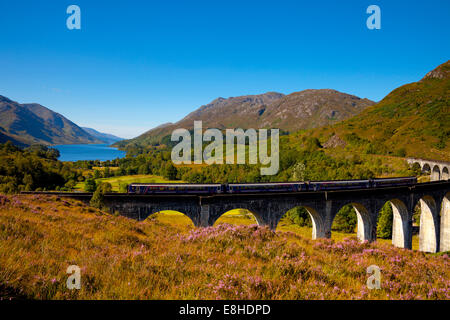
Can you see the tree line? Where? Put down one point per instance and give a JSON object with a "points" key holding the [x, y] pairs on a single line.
{"points": [[35, 168]]}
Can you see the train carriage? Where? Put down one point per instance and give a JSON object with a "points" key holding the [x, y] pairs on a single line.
{"points": [[266, 187], [401, 181], [270, 187], [174, 188], [338, 185]]}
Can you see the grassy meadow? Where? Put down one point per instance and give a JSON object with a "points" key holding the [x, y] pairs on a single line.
{"points": [[166, 257]]}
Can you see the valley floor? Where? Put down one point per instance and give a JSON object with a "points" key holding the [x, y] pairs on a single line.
{"points": [[166, 257]]}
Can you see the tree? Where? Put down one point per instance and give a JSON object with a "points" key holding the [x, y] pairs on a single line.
{"points": [[170, 171], [28, 181], [299, 216], [401, 152], [345, 220], [385, 219], [106, 172], [299, 172], [10, 147], [123, 187], [70, 184], [90, 185], [312, 144], [98, 199], [52, 154], [416, 169], [97, 174], [143, 169]]}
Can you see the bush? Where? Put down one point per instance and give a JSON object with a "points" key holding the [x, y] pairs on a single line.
{"points": [[90, 185], [385, 220], [98, 199], [345, 220], [415, 169], [299, 216], [70, 184], [123, 187], [401, 152], [170, 172]]}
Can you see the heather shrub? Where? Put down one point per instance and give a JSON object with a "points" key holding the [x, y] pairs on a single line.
{"points": [[121, 258]]}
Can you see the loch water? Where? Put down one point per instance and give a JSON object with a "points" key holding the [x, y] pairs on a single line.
{"points": [[75, 152]]}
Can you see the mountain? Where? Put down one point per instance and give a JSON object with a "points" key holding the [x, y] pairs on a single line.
{"points": [[311, 109], [105, 137], [299, 110], [412, 120], [26, 124]]}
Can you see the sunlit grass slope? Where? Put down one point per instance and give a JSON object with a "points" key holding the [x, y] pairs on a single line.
{"points": [[166, 257]]}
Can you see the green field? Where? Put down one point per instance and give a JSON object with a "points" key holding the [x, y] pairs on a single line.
{"points": [[139, 178]]}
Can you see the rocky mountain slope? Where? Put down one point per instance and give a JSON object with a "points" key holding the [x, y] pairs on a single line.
{"points": [[299, 110]]}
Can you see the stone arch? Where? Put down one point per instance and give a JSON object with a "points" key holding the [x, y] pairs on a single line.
{"points": [[140, 207], [445, 224], [417, 164], [445, 174], [436, 173], [365, 227], [149, 214], [401, 225], [318, 230], [255, 216], [426, 168], [254, 213], [429, 225]]}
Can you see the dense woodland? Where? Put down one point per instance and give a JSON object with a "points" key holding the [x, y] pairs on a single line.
{"points": [[34, 168]]}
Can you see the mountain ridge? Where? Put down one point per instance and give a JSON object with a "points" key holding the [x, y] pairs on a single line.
{"points": [[267, 110], [31, 123], [105, 137]]}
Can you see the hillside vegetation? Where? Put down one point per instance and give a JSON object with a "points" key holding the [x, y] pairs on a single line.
{"points": [[412, 120], [34, 168], [156, 259]]}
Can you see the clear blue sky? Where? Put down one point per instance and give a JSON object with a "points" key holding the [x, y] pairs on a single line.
{"points": [[137, 64]]}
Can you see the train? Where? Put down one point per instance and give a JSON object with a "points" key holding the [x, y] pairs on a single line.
{"points": [[266, 187]]}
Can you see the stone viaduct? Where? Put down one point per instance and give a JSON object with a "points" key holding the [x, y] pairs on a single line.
{"points": [[269, 208], [438, 170]]}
